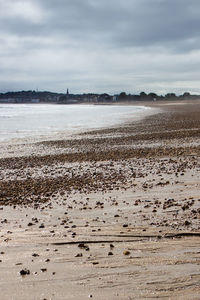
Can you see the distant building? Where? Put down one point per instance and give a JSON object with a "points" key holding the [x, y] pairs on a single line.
{"points": [[7, 100], [35, 101], [68, 96]]}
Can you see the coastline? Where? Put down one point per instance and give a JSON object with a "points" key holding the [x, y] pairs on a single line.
{"points": [[111, 214], [18, 146], [61, 123]]}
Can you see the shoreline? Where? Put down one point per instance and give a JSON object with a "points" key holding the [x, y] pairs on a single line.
{"points": [[72, 128], [113, 214], [156, 108], [19, 145]]}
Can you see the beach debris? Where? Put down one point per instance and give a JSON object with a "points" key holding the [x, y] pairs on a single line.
{"points": [[187, 223], [126, 252], [111, 246], [24, 272], [41, 226], [125, 225], [83, 246], [43, 269], [79, 255], [30, 224], [35, 254]]}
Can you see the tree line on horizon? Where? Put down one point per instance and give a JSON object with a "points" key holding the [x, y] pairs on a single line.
{"points": [[46, 96]]}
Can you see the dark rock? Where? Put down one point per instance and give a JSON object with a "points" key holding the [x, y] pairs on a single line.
{"points": [[43, 269], [79, 255], [125, 225], [24, 272], [35, 254]]}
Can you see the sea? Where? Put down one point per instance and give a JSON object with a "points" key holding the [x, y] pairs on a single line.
{"points": [[22, 121]]}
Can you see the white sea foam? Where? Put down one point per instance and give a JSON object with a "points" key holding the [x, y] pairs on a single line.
{"points": [[40, 120]]}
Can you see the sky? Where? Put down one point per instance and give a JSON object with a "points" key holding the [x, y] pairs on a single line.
{"points": [[100, 46]]}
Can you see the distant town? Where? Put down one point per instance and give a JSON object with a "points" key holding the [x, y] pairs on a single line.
{"points": [[68, 98]]}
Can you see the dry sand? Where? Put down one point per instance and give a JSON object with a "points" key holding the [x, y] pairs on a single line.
{"points": [[111, 214]]}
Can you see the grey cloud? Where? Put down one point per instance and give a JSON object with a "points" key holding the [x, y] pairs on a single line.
{"points": [[135, 23], [95, 44]]}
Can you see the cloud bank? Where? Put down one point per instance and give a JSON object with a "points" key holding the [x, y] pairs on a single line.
{"points": [[100, 46]]}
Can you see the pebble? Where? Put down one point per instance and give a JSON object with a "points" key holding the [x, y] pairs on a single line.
{"points": [[24, 272]]}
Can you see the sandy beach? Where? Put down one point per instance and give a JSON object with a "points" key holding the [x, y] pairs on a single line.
{"points": [[107, 214]]}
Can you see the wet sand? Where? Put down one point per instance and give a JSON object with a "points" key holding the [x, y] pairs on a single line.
{"points": [[109, 214]]}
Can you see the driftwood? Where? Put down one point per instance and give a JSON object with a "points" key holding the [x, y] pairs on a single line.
{"points": [[167, 235]]}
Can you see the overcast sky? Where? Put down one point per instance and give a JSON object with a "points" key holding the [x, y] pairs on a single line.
{"points": [[100, 45]]}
